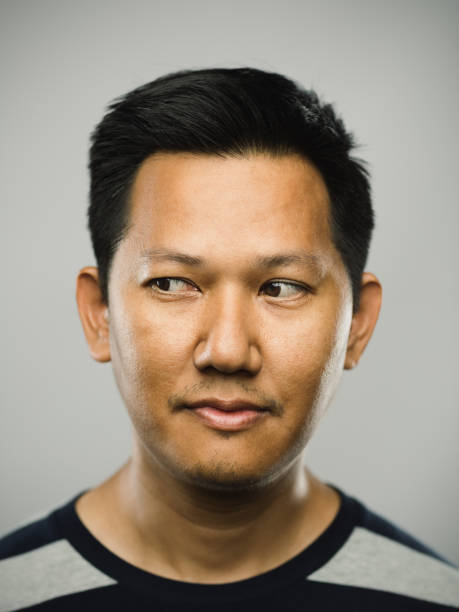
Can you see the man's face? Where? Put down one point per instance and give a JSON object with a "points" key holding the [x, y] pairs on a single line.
{"points": [[237, 324]]}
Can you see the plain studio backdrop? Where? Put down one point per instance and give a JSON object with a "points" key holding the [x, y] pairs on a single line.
{"points": [[390, 436]]}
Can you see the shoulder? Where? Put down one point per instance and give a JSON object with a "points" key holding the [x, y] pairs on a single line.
{"points": [[380, 555], [38, 563], [376, 530], [29, 537]]}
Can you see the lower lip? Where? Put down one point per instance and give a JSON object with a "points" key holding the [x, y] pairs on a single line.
{"points": [[236, 420]]}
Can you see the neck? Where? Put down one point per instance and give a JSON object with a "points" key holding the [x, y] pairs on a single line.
{"points": [[184, 532]]}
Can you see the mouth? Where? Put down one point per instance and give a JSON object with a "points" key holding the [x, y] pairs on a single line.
{"points": [[234, 415]]}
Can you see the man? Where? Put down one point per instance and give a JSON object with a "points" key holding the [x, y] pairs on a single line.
{"points": [[231, 228]]}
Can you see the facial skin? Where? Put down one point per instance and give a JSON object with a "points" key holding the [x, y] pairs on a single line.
{"points": [[227, 328]]}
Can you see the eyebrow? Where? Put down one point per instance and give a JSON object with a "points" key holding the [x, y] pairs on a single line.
{"points": [[276, 260]]}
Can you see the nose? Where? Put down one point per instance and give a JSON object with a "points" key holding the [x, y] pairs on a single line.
{"points": [[228, 339]]}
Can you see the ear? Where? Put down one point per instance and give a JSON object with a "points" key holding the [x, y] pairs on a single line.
{"points": [[364, 320], [93, 313]]}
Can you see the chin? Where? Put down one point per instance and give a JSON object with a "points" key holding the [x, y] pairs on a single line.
{"points": [[224, 476]]}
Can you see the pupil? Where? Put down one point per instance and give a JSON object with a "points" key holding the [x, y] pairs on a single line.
{"points": [[276, 290], [163, 281]]}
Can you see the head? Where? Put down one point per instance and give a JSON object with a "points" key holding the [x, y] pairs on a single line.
{"points": [[229, 112], [231, 228]]}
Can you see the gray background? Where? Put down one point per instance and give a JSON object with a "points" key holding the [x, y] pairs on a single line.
{"points": [[390, 437]]}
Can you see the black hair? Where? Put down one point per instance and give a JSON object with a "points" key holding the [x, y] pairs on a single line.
{"points": [[223, 111]]}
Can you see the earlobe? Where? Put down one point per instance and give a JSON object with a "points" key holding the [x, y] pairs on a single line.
{"points": [[364, 320], [93, 313]]}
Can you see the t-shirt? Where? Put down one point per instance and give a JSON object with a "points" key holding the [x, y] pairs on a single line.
{"points": [[360, 562]]}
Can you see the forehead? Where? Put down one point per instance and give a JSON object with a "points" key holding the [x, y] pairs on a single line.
{"points": [[174, 193], [229, 207]]}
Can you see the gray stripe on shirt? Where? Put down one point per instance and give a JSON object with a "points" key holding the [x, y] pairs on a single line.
{"points": [[373, 561], [45, 573]]}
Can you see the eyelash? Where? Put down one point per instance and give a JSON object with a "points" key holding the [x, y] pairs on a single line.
{"points": [[302, 288]]}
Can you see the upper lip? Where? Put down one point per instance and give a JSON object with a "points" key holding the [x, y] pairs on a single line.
{"points": [[226, 405]]}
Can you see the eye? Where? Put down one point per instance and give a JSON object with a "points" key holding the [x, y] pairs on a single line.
{"points": [[283, 289], [169, 284]]}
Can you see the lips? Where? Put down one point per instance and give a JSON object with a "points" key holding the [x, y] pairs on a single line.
{"points": [[233, 415]]}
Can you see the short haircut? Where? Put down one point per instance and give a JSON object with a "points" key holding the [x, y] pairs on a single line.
{"points": [[229, 112]]}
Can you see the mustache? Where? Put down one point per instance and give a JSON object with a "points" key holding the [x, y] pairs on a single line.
{"points": [[194, 392]]}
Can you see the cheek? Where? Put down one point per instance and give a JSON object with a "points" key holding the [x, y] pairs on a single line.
{"points": [[306, 360], [148, 352], [301, 347]]}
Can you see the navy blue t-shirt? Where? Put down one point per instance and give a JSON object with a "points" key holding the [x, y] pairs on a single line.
{"points": [[360, 562]]}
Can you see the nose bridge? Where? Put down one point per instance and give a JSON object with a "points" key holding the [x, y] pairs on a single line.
{"points": [[229, 313], [227, 342]]}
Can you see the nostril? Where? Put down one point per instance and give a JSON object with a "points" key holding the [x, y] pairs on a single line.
{"points": [[227, 357]]}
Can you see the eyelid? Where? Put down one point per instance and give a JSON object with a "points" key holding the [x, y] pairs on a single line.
{"points": [[288, 282], [302, 287], [306, 289], [150, 283]]}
